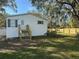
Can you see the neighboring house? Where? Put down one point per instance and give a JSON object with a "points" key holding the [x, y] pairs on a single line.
{"points": [[37, 23]]}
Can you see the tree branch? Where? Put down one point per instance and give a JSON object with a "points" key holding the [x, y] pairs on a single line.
{"points": [[72, 5]]}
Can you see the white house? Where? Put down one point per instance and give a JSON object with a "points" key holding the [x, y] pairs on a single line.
{"points": [[37, 23]]}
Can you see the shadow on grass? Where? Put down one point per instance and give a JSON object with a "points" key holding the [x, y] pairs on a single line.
{"points": [[30, 53], [45, 48], [62, 44]]}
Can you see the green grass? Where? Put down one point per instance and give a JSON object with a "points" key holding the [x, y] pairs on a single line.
{"points": [[46, 48]]}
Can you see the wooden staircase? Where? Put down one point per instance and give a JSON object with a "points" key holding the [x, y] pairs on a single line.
{"points": [[25, 34]]}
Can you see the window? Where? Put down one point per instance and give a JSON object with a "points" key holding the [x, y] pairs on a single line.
{"points": [[40, 22], [12, 23], [16, 23], [9, 22]]}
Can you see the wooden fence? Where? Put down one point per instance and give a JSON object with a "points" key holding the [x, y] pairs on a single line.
{"points": [[66, 31]]}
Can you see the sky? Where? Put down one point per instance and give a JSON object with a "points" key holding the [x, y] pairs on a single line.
{"points": [[23, 6]]}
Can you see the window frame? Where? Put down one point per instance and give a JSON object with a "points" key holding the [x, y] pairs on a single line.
{"points": [[16, 23], [40, 22], [9, 22]]}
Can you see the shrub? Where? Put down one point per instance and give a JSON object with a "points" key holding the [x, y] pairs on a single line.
{"points": [[51, 34], [77, 36]]}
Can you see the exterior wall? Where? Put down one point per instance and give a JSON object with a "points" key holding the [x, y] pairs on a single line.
{"points": [[32, 21], [2, 31], [11, 32]]}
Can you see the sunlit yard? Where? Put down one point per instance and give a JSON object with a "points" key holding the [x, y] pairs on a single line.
{"points": [[41, 48], [39, 29]]}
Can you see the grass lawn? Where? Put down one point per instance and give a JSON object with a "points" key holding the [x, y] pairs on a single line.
{"points": [[43, 48]]}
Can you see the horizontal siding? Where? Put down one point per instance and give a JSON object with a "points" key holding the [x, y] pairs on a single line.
{"points": [[11, 32], [2, 31]]}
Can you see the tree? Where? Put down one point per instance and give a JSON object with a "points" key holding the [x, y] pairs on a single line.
{"points": [[2, 20], [73, 23], [74, 4], [59, 10], [74, 9], [5, 3], [9, 3]]}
